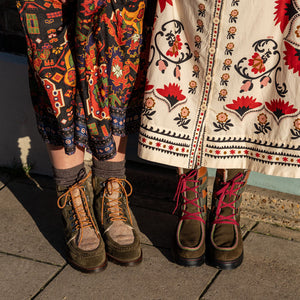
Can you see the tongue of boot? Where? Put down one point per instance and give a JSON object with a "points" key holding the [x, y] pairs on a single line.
{"points": [[87, 238], [120, 232]]}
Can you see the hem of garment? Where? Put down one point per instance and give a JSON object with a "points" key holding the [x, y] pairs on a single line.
{"points": [[165, 159]]}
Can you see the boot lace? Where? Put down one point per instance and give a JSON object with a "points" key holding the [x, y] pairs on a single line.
{"points": [[81, 211], [115, 211], [181, 189], [230, 188]]}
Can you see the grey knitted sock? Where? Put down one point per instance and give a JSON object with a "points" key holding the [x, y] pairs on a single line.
{"points": [[107, 169], [68, 177]]}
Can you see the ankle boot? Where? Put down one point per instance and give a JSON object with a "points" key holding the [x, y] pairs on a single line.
{"points": [[225, 243], [189, 248], [85, 247], [115, 221]]}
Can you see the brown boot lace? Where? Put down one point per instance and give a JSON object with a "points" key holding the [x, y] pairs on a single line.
{"points": [[82, 215], [115, 210]]}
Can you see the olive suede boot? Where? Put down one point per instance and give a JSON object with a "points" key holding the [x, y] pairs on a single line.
{"points": [[115, 222], [225, 242], [189, 248], [86, 249]]}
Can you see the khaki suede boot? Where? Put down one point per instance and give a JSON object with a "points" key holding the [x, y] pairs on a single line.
{"points": [[86, 249], [115, 222], [225, 242], [189, 248]]}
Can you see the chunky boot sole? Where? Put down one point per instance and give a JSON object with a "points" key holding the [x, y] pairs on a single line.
{"points": [[125, 263], [88, 270], [189, 262], [225, 265]]}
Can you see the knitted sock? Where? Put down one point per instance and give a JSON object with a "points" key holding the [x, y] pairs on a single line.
{"points": [[107, 169], [87, 238], [68, 177], [120, 232]]}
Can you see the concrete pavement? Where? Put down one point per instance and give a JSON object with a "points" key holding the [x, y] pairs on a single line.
{"points": [[33, 262]]}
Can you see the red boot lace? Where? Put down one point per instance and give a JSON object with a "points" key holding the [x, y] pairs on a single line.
{"points": [[181, 188], [229, 188]]}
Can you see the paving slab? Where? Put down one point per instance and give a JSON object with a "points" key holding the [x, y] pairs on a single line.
{"points": [[277, 231], [246, 225], [23, 278], [270, 271], [30, 224], [4, 179], [156, 228], [155, 278]]}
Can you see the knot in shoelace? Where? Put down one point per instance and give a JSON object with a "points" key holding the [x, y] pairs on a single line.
{"points": [[181, 189], [82, 215], [114, 208], [230, 188]]}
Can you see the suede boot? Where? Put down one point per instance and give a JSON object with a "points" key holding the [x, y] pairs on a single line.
{"points": [[86, 249], [114, 219], [225, 243], [189, 248]]}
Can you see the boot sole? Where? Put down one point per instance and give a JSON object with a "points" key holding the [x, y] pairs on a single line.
{"points": [[225, 265], [190, 262], [88, 270], [125, 263]]}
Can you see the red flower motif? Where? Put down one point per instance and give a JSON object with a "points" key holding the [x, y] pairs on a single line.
{"points": [[270, 157], [218, 152], [298, 160], [279, 108], [148, 86], [292, 58], [171, 147], [285, 159], [158, 144], [232, 151], [143, 140], [257, 155], [172, 94], [243, 104], [282, 15], [257, 64], [162, 4], [246, 152], [175, 47]]}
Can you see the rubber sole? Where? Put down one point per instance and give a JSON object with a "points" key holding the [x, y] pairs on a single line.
{"points": [[225, 265], [88, 270], [190, 262], [125, 263]]}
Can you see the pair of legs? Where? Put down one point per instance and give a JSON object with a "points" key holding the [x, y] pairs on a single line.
{"points": [[97, 223], [211, 235]]}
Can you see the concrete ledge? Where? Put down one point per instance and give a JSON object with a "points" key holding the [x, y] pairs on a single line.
{"points": [[272, 207]]}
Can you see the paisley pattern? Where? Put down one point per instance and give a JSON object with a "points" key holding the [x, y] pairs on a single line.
{"points": [[84, 58]]}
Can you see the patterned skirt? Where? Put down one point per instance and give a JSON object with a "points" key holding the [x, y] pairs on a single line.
{"points": [[223, 86], [84, 60]]}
